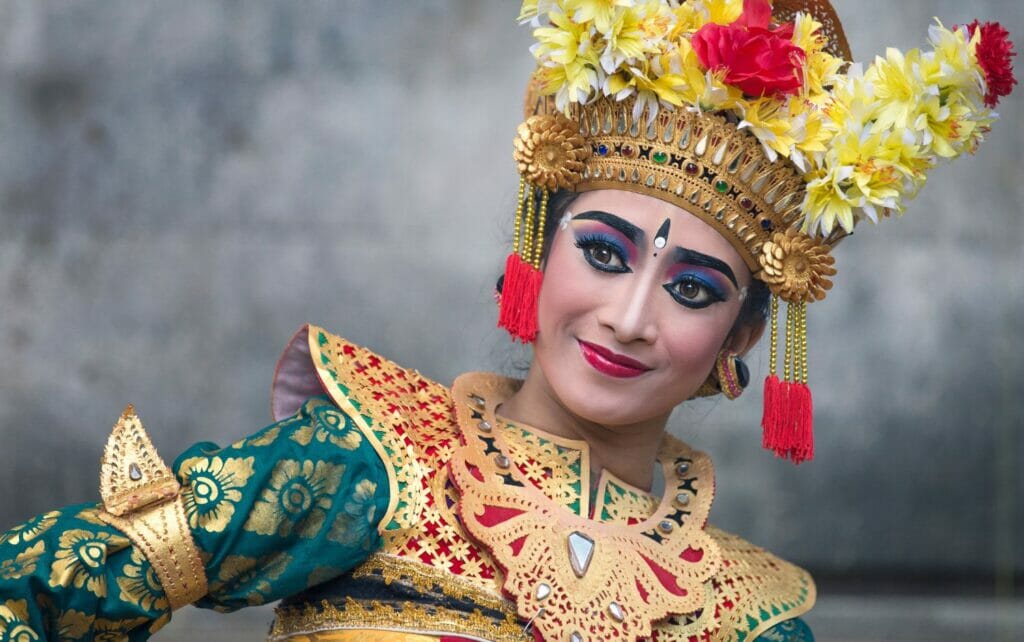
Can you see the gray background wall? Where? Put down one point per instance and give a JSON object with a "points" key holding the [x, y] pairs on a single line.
{"points": [[183, 184]]}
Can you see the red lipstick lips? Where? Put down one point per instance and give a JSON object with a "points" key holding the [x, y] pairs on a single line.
{"points": [[610, 363]]}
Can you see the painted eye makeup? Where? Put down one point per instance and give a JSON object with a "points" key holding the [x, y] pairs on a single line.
{"points": [[696, 288], [603, 251]]}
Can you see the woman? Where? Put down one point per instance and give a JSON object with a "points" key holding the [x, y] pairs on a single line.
{"points": [[556, 508]]}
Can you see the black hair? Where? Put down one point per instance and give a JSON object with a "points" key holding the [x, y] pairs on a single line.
{"points": [[755, 306]]}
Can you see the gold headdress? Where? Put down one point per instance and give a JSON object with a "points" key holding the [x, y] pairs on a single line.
{"points": [[758, 124]]}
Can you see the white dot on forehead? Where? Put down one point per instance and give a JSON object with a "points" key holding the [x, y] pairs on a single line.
{"points": [[660, 242], [661, 237]]}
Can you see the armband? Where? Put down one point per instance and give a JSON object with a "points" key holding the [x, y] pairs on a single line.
{"points": [[141, 497]]}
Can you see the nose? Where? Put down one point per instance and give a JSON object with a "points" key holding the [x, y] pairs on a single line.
{"points": [[629, 313]]}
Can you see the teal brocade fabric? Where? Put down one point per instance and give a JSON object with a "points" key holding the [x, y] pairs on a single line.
{"points": [[292, 506]]}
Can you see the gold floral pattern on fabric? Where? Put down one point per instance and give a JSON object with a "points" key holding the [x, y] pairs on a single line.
{"points": [[116, 630], [212, 487], [80, 561], [65, 626], [295, 624], [356, 522], [24, 563], [260, 439], [250, 577], [296, 499], [13, 622], [91, 514], [30, 530], [331, 425], [139, 584]]}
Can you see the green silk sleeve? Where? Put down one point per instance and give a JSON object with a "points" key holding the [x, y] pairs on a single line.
{"points": [[294, 505], [794, 630]]}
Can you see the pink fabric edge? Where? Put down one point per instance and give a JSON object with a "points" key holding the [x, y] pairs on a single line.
{"points": [[295, 377]]}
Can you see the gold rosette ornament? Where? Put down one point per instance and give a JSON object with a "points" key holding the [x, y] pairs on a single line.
{"points": [[549, 151], [549, 154], [796, 267]]}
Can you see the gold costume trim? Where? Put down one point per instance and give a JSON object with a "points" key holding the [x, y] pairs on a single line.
{"points": [[350, 375], [304, 624], [427, 579], [141, 498]]}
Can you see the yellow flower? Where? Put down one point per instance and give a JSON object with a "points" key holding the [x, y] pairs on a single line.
{"points": [[31, 529], [628, 39], [766, 118], [722, 12], [331, 425], [826, 202], [601, 12], [533, 9], [80, 561], [139, 584], [704, 90], [898, 87], [212, 487], [952, 66], [14, 622], [688, 19], [297, 499], [24, 563], [357, 520]]}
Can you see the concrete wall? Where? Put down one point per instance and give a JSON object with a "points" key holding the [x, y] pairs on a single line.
{"points": [[183, 184]]}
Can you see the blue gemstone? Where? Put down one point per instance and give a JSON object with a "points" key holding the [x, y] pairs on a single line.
{"points": [[602, 150], [767, 225]]}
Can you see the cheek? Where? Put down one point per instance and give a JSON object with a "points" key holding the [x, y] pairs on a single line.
{"points": [[565, 292]]}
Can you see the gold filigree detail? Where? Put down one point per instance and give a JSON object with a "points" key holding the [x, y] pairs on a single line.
{"points": [[140, 498], [668, 554], [295, 624], [549, 152], [796, 267]]}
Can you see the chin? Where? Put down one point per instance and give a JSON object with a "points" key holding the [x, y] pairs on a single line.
{"points": [[611, 402]]}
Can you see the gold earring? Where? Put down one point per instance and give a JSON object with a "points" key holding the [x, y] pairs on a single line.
{"points": [[732, 374]]}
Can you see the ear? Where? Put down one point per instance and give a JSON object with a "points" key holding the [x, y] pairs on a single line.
{"points": [[745, 337]]}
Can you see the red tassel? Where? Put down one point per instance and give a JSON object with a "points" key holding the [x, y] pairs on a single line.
{"points": [[803, 424], [771, 419], [519, 292]]}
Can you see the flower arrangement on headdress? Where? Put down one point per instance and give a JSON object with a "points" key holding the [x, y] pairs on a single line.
{"points": [[863, 137]]}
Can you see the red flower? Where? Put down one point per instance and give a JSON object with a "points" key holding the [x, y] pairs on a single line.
{"points": [[994, 52], [759, 60]]}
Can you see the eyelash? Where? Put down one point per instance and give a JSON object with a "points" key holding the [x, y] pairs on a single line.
{"points": [[710, 293], [588, 242]]}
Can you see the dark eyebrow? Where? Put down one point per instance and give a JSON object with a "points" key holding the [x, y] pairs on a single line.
{"points": [[693, 257], [630, 231]]}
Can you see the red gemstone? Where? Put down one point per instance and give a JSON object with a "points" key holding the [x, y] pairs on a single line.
{"points": [[746, 203], [628, 151], [692, 169]]}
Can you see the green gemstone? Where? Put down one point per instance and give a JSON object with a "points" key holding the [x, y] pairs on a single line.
{"points": [[660, 157], [722, 187]]}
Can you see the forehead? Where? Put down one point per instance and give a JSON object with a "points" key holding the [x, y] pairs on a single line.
{"points": [[648, 213]]}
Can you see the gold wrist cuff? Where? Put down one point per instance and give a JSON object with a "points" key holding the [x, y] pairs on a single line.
{"points": [[141, 498]]}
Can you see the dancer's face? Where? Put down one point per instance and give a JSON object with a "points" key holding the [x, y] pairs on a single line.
{"points": [[638, 298]]}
